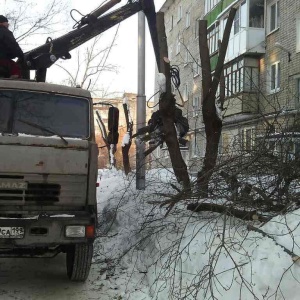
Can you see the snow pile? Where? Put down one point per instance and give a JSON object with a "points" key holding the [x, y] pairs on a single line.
{"points": [[143, 255]]}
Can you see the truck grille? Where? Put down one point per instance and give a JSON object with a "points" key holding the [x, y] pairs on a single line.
{"points": [[43, 189], [45, 192], [42, 192]]}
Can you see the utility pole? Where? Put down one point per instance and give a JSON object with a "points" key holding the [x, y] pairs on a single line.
{"points": [[141, 104]]}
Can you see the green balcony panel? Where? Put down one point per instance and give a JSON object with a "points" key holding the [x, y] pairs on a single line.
{"points": [[211, 17], [213, 61]]}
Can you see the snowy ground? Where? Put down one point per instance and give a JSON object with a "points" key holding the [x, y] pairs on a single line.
{"points": [[140, 254], [185, 255]]}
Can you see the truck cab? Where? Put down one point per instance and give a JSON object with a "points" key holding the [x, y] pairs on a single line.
{"points": [[48, 173]]}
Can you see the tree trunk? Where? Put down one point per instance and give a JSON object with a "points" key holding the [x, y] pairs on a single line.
{"points": [[126, 148], [211, 119], [167, 109]]}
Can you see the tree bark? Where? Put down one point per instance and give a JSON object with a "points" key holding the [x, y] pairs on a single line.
{"points": [[211, 119], [167, 109], [126, 148]]}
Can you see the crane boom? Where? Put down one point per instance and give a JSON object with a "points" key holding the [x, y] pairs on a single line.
{"points": [[43, 57]]}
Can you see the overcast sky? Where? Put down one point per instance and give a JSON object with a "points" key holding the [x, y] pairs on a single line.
{"points": [[124, 54]]}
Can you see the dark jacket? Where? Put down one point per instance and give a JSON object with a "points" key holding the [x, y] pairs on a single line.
{"points": [[9, 48]]}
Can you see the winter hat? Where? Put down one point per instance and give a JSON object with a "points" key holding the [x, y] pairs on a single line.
{"points": [[3, 19]]}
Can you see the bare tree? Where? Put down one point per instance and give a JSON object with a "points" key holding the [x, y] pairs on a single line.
{"points": [[44, 21], [91, 64], [212, 121], [167, 110]]}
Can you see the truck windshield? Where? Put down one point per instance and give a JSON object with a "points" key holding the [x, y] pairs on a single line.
{"points": [[51, 113]]}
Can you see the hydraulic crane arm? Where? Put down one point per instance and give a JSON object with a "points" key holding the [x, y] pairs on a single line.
{"points": [[90, 26]]}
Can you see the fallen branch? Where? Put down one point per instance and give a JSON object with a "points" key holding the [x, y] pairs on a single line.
{"points": [[294, 256], [230, 211]]}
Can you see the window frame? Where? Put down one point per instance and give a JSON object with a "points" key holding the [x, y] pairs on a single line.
{"points": [[178, 45], [213, 36], [186, 93], [187, 56], [172, 23], [196, 29], [195, 105], [277, 77], [196, 67], [237, 21], [187, 18], [210, 5], [234, 78], [248, 144], [298, 33], [179, 13], [195, 147], [297, 92], [276, 16]]}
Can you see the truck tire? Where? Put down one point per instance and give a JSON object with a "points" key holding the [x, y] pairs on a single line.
{"points": [[79, 259]]}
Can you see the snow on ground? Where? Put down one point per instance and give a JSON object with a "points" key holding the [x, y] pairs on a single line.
{"points": [[140, 254]]}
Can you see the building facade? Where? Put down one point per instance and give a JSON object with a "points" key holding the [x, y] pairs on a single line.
{"points": [[261, 70]]}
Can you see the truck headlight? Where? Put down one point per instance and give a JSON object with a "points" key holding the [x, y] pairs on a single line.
{"points": [[75, 231]]}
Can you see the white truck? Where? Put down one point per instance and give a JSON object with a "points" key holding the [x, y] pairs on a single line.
{"points": [[48, 153], [48, 173]]}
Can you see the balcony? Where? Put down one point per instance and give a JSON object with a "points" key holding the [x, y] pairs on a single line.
{"points": [[248, 40]]}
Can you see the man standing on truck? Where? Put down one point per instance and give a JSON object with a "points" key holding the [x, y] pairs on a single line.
{"points": [[9, 49]]}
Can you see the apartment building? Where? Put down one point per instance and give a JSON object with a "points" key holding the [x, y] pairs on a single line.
{"points": [[280, 70], [262, 67], [181, 23]]}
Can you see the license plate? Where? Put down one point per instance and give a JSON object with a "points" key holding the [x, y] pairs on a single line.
{"points": [[11, 232]]}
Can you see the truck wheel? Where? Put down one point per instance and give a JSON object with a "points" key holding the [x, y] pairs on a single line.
{"points": [[79, 259]]}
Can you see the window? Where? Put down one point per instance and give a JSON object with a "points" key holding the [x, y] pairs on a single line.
{"points": [[195, 147], [236, 22], [297, 102], [256, 13], [196, 29], [213, 38], [195, 106], [186, 93], [248, 139], [171, 22], [273, 16], [275, 77], [196, 67], [187, 56], [240, 18], [177, 45], [179, 13], [251, 79], [187, 19], [210, 4], [234, 78], [298, 33], [43, 114], [241, 76], [224, 146]]}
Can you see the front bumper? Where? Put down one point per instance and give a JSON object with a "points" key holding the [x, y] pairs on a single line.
{"points": [[45, 231]]}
